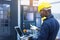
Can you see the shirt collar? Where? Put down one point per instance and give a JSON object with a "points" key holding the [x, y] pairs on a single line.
{"points": [[50, 16]]}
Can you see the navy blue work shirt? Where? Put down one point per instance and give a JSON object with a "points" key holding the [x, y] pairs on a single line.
{"points": [[49, 29]]}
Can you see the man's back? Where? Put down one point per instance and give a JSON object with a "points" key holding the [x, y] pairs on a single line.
{"points": [[49, 29]]}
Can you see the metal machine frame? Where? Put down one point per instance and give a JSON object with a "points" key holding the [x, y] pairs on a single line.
{"points": [[13, 17]]}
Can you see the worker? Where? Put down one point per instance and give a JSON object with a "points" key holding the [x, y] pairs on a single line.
{"points": [[50, 25]]}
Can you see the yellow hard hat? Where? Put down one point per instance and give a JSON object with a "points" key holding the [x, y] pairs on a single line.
{"points": [[44, 5]]}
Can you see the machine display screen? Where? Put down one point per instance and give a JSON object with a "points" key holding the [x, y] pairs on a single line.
{"points": [[29, 17]]}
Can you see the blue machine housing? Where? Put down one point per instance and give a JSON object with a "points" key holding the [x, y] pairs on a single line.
{"points": [[29, 17]]}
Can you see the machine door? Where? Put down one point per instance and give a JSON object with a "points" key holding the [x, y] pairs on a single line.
{"points": [[7, 17], [4, 21]]}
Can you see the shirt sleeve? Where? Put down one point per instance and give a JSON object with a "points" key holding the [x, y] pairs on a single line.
{"points": [[44, 32]]}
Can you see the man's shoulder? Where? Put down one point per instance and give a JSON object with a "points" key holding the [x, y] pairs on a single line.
{"points": [[51, 21], [48, 21]]}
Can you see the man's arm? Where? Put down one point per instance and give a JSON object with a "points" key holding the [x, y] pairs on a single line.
{"points": [[44, 32]]}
